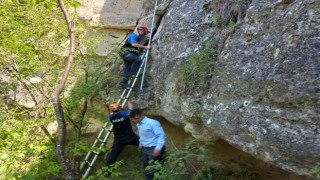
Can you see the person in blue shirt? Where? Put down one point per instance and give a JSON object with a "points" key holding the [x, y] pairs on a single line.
{"points": [[152, 139], [122, 130], [130, 54]]}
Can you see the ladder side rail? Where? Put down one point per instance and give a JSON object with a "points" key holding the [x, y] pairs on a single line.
{"points": [[149, 43], [135, 80], [94, 145], [152, 24], [100, 134], [90, 166], [144, 70]]}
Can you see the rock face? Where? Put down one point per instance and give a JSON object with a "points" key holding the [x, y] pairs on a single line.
{"points": [[263, 94], [121, 14], [115, 19]]}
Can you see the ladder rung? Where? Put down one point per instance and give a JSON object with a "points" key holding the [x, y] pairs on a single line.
{"points": [[104, 128], [87, 162], [89, 165], [100, 140], [107, 129]]}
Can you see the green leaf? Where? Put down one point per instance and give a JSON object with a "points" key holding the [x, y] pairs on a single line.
{"points": [[77, 4], [29, 177]]}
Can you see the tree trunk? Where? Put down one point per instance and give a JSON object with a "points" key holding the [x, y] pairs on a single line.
{"points": [[60, 151]]}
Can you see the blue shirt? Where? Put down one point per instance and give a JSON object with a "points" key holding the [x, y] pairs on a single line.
{"points": [[133, 39], [151, 133]]}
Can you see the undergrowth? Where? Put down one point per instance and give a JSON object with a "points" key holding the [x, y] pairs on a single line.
{"points": [[190, 162], [316, 172]]}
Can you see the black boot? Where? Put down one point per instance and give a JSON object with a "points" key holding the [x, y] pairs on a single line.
{"points": [[124, 83]]}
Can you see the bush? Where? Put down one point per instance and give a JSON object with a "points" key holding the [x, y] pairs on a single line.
{"points": [[316, 172], [191, 161], [107, 171], [217, 21]]}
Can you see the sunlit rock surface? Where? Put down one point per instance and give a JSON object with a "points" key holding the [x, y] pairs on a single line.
{"points": [[263, 96]]}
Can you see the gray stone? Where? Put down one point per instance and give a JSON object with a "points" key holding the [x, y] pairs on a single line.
{"points": [[263, 96]]}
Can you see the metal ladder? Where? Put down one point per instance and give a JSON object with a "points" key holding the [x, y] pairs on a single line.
{"points": [[103, 136]]}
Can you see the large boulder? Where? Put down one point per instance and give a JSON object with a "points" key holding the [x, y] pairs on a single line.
{"points": [[263, 94]]}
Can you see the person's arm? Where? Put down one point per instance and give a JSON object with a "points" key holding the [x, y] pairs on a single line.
{"points": [[140, 46], [130, 105], [134, 41], [161, 138]]}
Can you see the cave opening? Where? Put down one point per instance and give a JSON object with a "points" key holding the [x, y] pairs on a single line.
{"points": [[232, 160]]}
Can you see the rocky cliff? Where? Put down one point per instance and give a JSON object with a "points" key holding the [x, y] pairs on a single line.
{"points": [[261, 92]]}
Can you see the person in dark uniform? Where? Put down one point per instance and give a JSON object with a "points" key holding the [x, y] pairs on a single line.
{"points": [[130, 54], [122, 130]]}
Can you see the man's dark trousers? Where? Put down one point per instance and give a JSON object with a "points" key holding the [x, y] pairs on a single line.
{"points": [[147, 156], [118, 146], [132, 63]]}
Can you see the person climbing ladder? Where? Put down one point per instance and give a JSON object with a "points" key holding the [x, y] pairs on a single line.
{"points": [[122, 130], [130, 54]]}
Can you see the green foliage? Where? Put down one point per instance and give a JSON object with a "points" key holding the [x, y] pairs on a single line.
{"points": [[25, 151], [316, 172], [217, 21], [31, 41], [93, 78], [233, 26], [198, 68], [107, 171], [80, 149], [49, 4], [91, 82], [26, 31], [73, 3], [133, 164], [191, 161]]}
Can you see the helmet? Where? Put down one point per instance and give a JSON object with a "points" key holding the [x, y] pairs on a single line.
{"points": [[115, 107], [144, 29]]}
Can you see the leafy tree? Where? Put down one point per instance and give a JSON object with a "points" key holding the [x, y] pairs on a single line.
{"points": [[24, 151], [33, 44], [31, 38]]}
